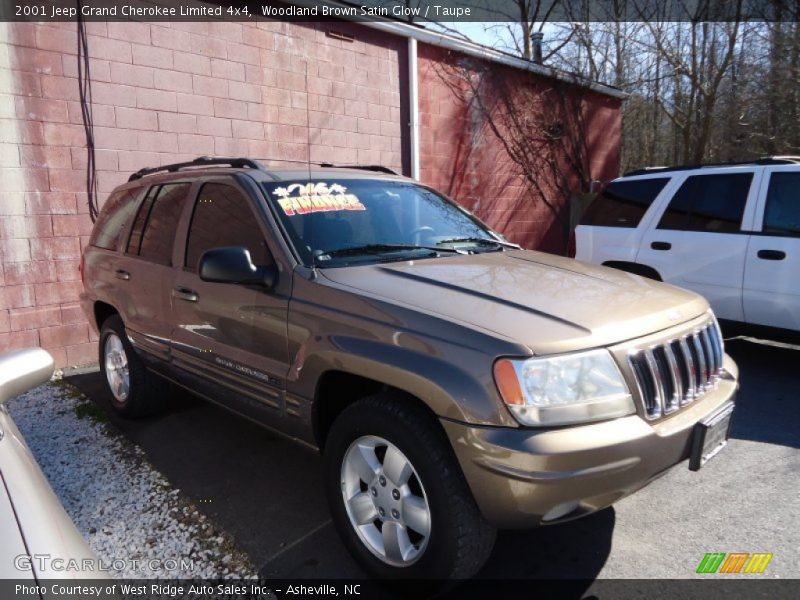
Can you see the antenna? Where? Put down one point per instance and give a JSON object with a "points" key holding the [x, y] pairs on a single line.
{"points": [[308, 165]]}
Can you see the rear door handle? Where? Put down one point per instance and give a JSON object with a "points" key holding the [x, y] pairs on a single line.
{"points": [[661, 246], [185, 294], [122, 274], [772, 254]]}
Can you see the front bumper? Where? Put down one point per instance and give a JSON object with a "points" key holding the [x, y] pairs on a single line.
{"points": [[525, 477]]}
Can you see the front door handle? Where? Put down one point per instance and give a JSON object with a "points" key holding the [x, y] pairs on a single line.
{"points": [[771, 254], [185, 294], [122, 274], [661, 246]]}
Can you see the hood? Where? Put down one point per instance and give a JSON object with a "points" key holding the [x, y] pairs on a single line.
{"points": [[548, 303]]}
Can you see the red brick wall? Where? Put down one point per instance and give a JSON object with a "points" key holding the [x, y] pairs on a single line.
{"points": [[462, 156], [170, 92], [164, 93]]}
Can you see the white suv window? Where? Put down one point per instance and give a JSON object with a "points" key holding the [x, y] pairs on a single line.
{"points": [[782, 215], [709, 203], [623, 203]]}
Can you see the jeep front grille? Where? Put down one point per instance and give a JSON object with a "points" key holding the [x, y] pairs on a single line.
{"points": [[673, 374]]}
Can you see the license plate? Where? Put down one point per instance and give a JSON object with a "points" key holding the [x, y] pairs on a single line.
{"points": [[710, 436]]}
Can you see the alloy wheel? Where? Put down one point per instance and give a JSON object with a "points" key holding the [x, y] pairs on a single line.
{"points": [[116, 363], [385, 501]]}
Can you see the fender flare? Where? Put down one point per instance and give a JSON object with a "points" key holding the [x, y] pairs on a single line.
{"points": [[448, 390]]}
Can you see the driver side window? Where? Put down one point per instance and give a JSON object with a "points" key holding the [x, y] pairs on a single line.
{"points": [[222, 217]]}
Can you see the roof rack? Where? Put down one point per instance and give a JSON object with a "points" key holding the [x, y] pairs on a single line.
{"points": [[202, 161], [764, 160], [375, 168]]}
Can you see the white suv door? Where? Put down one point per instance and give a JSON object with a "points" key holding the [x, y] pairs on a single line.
{"points": [[609, 230], [699, 239], [772, 267]]}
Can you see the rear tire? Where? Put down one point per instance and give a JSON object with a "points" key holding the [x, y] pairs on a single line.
{"points": [[403, 450], [135, 391]]}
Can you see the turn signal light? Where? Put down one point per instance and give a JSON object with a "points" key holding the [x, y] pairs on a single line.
{"points": [[507, 382]]}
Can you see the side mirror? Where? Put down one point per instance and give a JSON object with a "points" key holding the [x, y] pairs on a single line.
{"points": [[232, 264], [23, 370]]}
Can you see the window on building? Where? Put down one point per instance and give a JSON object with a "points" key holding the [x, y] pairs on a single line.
{"points": [[223, 217], [623, 203], [113, 218], [153, 232], [782, 213]]}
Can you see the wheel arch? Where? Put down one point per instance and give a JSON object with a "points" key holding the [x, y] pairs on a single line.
{"points": [[331, 376], [337, 389], [102, 311]]}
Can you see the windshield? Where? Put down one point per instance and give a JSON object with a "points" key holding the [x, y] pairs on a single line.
{"points": [[352, 221]]}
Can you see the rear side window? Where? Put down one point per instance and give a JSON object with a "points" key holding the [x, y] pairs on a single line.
{"points": [[709, 203], [222, 217], [153, 231], [135, 239], [113, 218], [623, 203], [782, 214]]}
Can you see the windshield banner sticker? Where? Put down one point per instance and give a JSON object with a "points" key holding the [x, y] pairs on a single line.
{"points": [[301, 199]]}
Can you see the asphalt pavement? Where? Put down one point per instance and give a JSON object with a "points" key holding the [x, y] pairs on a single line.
{"points": [[266, 492]]}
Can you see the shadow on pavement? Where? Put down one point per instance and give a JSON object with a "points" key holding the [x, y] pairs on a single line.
{"points": [[573, 550], [267, 493], [767, 409]]}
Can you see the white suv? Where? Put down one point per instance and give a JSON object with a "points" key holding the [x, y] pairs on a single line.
{"points": [[729, 232]]}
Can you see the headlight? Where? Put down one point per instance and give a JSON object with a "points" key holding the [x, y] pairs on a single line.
{"points": [[559, 390]]}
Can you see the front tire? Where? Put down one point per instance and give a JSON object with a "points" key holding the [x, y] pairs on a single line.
{"points": [[135, 391], [397, 494]]}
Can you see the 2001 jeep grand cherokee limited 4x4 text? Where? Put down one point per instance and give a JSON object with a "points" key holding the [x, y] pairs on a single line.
{"points": [[454, 382]]}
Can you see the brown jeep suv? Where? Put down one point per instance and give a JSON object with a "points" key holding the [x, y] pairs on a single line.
{"points": [[453, 382]]}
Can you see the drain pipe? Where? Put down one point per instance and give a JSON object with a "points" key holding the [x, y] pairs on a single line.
{"points": [[413, 106]]}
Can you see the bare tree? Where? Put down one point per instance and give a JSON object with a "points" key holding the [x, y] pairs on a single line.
{"points": [[704, 85], [540, 124]]}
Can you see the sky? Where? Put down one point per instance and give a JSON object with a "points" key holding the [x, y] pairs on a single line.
{"points": [[493, 34], [486, 33]]}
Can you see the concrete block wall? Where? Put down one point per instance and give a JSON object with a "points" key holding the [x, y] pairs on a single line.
{"points": [[165, 92]]}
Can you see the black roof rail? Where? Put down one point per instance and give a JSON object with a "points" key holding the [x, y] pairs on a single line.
{"points": [[764, 160], [202, 161], [375, 168]]}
